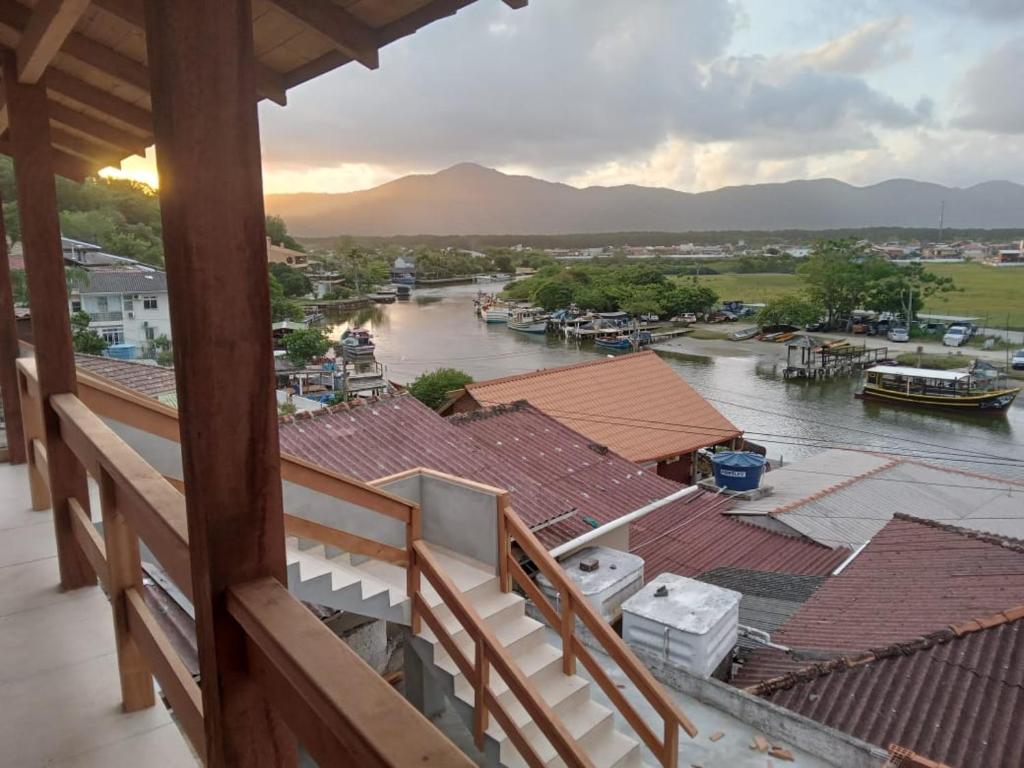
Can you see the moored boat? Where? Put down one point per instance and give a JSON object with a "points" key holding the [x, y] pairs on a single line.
{"points": [[744, 334], [966, 391], [528, 320], [357, 342]]}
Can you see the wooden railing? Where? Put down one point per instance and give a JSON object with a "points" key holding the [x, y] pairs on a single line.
{"points": [[340, 709], [488, 654], [573, 606]]}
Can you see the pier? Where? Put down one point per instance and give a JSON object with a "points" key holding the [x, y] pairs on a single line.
{"points": [[820, 360]]}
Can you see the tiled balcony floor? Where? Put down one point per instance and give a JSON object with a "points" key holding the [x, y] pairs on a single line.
{"points": [[59, 690]]}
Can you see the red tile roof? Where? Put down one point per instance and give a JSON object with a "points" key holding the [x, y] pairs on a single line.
{"points": [[955, 695], [548, 469], [912, 578], [689, 539], [146, 379], [635, 404]]}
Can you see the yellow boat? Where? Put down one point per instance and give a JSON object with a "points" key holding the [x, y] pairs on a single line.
{"points": [[931, 388]]}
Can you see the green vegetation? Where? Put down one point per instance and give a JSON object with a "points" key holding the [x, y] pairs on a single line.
{"points": [[281, 307], [995, 294], [277, 231], [303, 346], [293, 282], [86, 341], [432, 388], [752, 288], [791, 309], [610, 286], [940, 362]]}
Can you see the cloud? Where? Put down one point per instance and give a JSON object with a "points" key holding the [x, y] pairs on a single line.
{"points": [[873, 45], [566, 87], [989, 96], [990, 10]]}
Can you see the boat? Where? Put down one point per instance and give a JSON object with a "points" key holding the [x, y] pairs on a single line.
{"points": [[981, 389], [403, 279], [528, 320], [744, 334], [613, 342], [357, 342]]}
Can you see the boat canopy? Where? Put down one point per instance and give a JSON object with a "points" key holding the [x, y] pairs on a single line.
{"points": [[919, 373]]}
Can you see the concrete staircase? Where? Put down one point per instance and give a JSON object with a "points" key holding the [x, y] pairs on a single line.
{"points": [[375, 589]]}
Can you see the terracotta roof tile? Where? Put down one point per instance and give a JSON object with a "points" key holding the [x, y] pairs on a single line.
{"points": [[146, 379], [635, 404]]}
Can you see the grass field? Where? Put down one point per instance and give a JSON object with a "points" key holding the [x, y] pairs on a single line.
{"points": [[991, 293]]}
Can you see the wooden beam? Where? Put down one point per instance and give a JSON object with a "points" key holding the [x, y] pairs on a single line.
{"points": [[349, 33], [88, 51], [211, 205], [9, 355], [98, 129], [88, 95], [69, 166], [269, 83], [517, 4], [99, 155], [47, 29], [51, 322]]}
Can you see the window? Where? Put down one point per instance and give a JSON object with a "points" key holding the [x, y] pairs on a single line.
{"points": [[76, 305], [113, 335], [149, 302], [129, 305], [150, 332], [101, 304]]}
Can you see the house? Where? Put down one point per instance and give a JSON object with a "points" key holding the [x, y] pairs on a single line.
{"points": [[914, 577], [842, 498], [125, 306], [635, 404], [403, 270], [278, 254]]}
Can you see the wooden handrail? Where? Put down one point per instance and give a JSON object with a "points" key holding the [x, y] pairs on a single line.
{"points": [[340, 708], [574, 605], [490, 650], [350, 542]]}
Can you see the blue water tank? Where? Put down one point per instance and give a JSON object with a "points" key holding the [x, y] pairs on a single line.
{"points": [[121, 351], [738, 470]]}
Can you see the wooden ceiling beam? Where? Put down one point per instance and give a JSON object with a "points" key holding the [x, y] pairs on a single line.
{"points": [[48, 27], [68, 166], [97, 129], [348, 33], [269, 83], [16, 16], [137, 117], [98, 154], [517, 4]]}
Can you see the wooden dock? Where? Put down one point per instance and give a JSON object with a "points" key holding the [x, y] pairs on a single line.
{"points": [[821, 362]]}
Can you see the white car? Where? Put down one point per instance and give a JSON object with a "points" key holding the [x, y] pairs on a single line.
{"points": [[956, 335], [1018, 360], [899, 334]]}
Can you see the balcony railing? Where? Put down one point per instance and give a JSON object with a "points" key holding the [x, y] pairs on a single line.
{"points": [[106, 317], [329, 697]]}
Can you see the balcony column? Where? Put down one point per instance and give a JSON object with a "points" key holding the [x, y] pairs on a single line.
{"points": [[203, 90], [28, 113], [8, 355]]}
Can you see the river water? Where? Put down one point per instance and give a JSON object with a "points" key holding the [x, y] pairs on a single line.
{"points": [[793, 419]]}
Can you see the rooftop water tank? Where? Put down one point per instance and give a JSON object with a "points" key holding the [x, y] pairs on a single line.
{"points": [[689, 624], [737, 470], [121, 351], [618, 575]]}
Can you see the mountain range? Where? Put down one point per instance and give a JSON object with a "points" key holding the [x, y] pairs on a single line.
{"points": [[471, 199]]}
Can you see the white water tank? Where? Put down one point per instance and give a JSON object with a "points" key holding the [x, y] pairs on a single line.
{"points": [[690, 624], [618, 575]]}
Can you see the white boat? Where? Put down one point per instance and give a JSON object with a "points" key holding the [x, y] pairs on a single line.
{"points": [[529, 320], [496, 313]]}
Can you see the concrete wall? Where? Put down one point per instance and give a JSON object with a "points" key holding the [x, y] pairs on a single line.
{"points": [[775, 721]]}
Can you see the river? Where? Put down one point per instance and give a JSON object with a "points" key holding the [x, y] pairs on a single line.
{"points": [[793, 419]]}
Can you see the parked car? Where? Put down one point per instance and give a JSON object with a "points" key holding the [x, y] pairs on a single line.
{"points": [[899, 334], [1018, 360], [686, 317], [821, 325], [956, 335]]}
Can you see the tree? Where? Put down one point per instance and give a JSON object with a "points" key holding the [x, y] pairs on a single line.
{"points": [[904, 289], [303, 346], [84, 339], [282, 308], [788, 310], [292, 281], [432, 388], [835, 276], [19, 288], [277, 231], [690, 297], [553, 294]]}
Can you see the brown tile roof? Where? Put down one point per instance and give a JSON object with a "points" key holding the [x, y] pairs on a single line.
{"points": [[635, 404], [689, 540], [955, 695], [548, 469], [914, 576], [149, 380]]}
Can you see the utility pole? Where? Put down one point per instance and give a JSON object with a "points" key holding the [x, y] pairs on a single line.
{"points": [[942, 218]]}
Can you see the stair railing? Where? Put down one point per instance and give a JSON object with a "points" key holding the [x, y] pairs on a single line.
{"points": [[572, 605], [488, 654]]}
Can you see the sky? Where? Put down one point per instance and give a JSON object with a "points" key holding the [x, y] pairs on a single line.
{"points": [[687, 94]]}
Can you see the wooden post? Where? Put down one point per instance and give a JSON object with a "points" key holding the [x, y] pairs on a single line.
{"points": [[124, 570], [203, 90], [8, 355], [413, 533], [28, 114], [568, 629], [483, 679], [32, 426]]}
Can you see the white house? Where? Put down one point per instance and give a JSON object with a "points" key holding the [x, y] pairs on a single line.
{"points": [[127, 306]]}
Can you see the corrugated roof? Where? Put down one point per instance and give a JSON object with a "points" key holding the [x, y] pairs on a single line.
{"points": [[122, 281], [548, 469], [955, 695], [150, 380], [698, 536], [912, 578], [635, 404]]}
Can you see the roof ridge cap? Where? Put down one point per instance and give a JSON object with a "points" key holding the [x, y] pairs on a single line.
{"points": [[348, 405], [965, 472], [491, 411], [548, 371], [1007, 542], [902, 648], [829, 489]]}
